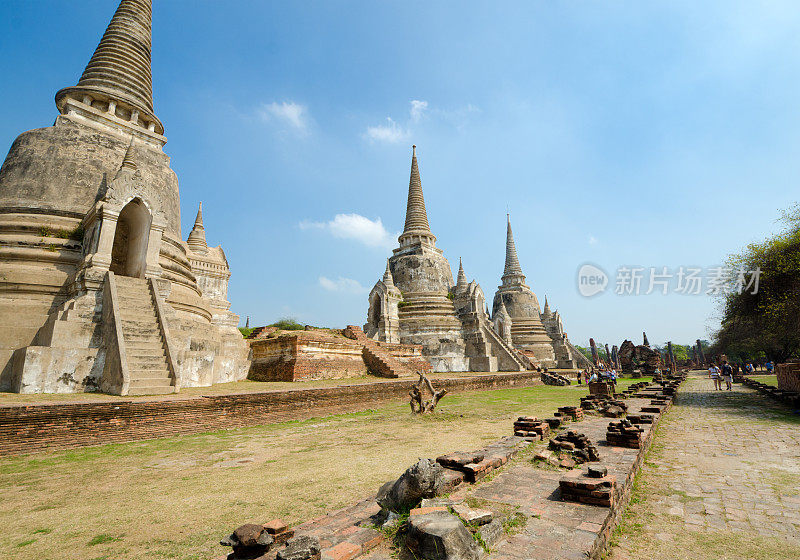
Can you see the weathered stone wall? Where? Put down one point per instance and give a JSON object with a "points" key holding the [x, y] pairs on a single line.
{"points": [[25, 429], [788, 376]]}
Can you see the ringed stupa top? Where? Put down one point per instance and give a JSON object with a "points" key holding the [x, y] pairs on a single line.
{"points": [[197, 237], [461, 282], [512, 273], [118, 74], [416, 217]]}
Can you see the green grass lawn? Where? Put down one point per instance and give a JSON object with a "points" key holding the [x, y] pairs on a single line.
{"points": [[176, 497]]}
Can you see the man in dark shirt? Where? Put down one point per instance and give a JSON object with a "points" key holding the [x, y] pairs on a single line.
{"points": [[727, 375]]}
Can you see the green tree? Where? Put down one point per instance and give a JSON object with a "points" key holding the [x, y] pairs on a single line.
{"points": [[765, 323]]}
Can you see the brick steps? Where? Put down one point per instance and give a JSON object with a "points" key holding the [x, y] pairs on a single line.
{"points": [[379, 361]]}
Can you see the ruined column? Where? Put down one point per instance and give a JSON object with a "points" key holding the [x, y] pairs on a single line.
{"points": [[615, 356], [671, 355], [700, 353], [608, 356], [646, 342], [593, 346]]}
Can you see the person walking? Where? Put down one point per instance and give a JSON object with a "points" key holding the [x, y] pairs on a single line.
{"points": [[727, 375], [713, 373]]}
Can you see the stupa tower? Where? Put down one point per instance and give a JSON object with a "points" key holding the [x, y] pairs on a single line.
{"points": [[527, 330], [422, 275], [92, 207]]}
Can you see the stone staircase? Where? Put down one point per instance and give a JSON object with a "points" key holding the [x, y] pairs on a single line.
{"points": [[514, 359], [378, 360], [144, 344]]}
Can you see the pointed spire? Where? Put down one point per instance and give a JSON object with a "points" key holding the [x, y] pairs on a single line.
{"points": [[512, 268], [247, 323], [197, 237], [127, 162], [461, 281], [388, 281], [546, 312], [416, 216], [645, 342], [119, 70]]}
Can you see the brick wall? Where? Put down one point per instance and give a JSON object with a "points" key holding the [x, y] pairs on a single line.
{"points": [[25, 429], [304, 356], [788, 376]]}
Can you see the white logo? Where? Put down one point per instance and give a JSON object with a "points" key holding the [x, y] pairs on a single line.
{"points": [[592, 280]]}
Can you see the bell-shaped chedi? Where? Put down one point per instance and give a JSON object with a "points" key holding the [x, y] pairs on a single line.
{"points": [[527, 330], [95, 218]]}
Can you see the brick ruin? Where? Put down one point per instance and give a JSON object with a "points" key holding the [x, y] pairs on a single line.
{"points": [[330, 354], [444, 523]]}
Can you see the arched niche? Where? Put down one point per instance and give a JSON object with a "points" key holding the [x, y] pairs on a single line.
{"points": [[129, 251]]}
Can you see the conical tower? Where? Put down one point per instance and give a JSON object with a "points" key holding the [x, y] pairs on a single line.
{"points": [[546, 312], [197, 237], [527, 330], [512, 273], [416, 227], [118, 78], [387, 277], [461, 281]]}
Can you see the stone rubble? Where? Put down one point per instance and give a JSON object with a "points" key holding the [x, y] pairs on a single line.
{"points": [[588, 490], [624, 434]]}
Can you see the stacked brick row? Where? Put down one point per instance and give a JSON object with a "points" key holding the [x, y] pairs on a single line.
{"points": [[574, 413], [475, 465], [588, 490], [624, 434], [530, 426]]}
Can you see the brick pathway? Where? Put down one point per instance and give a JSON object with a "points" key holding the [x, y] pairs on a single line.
{"points": [[721, 481]]}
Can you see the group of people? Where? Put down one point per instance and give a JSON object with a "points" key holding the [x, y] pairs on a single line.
{"points": [[718, 375], [601, 373]]}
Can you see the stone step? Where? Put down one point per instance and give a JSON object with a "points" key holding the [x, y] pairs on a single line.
{"points": [[146, 362], [139, 315], [151, 390], [139, 339], [155, 350], [150, 382]]}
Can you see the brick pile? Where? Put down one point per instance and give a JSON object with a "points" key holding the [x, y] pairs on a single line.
{"points": [[588, 489], [624, 434], [577, 445], [637, 419], [530, 426], [573, 413]]}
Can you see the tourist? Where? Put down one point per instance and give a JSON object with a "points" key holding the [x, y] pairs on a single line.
{"points": [[713, 373], [613, 375], [750, 368], [727, 374], [579, 375], [593, 378], [769, 366]]}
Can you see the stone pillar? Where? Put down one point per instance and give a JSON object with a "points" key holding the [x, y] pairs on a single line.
{"points": [[593, 347]]}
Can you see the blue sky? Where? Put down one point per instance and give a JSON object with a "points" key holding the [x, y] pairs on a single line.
{"points": [[617, 133]]}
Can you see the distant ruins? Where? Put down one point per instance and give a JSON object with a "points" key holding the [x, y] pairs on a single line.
{"points": [[416, 302], [98, 291]]}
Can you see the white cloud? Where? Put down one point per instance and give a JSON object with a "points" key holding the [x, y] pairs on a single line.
{"points": [[418, 108], [288, 113], [371, 233], [342, 285], [390, 132], [593, 240]]}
